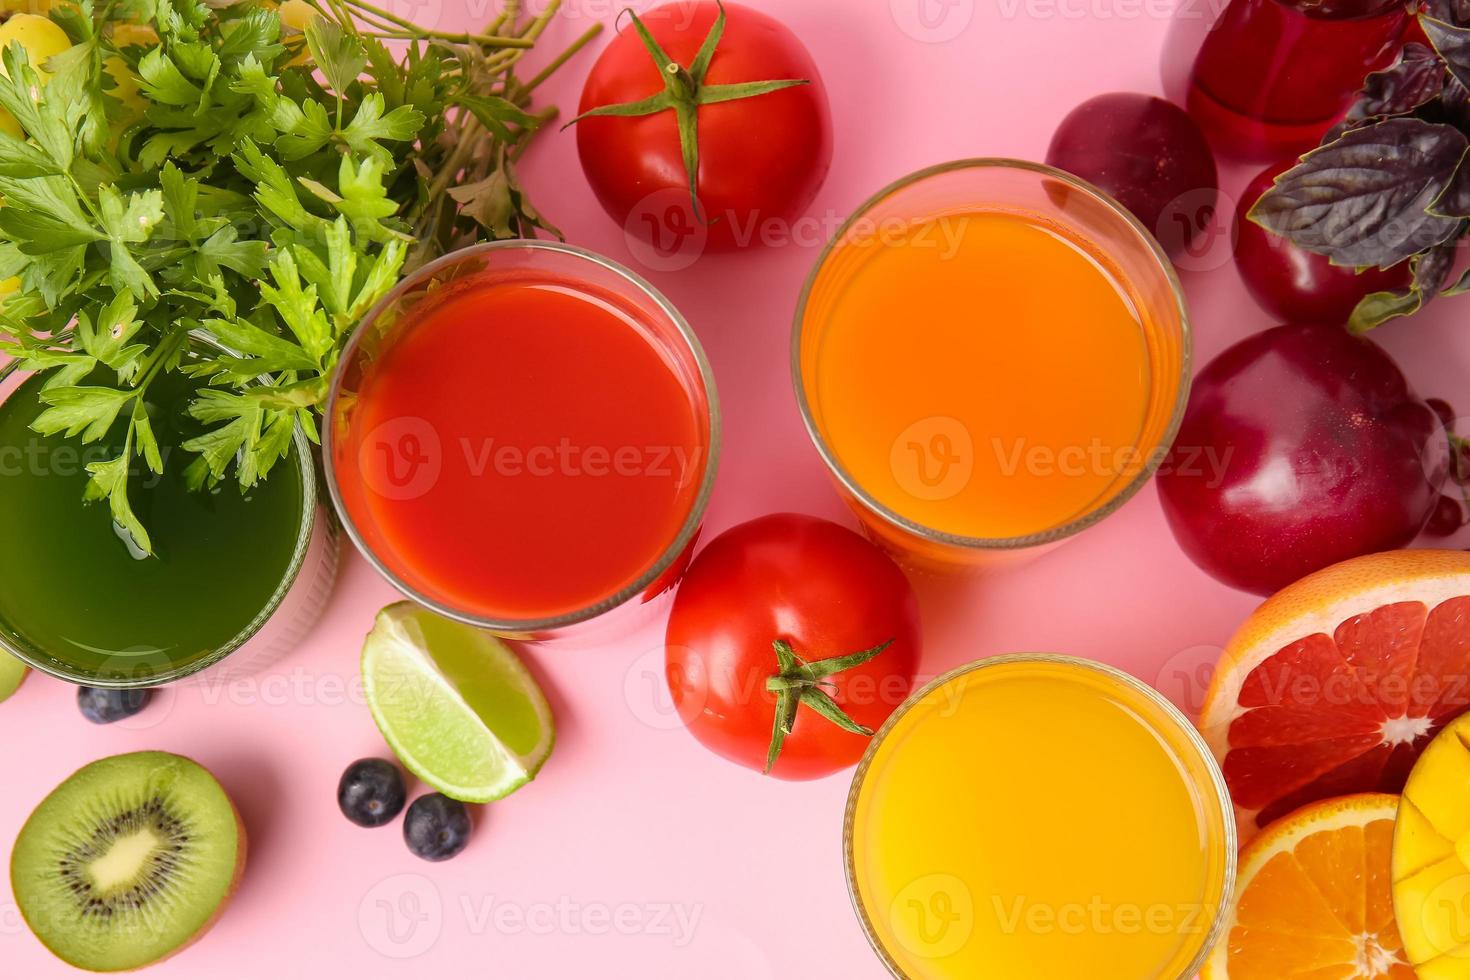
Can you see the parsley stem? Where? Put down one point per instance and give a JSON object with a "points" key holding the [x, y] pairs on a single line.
{"points": [[160, 357], [410, 30], [483, 40], [561, 59]]}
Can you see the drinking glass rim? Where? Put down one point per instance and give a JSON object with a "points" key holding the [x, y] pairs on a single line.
{"points": [[1192, 737], [1061, 531], [304, 535], [687, 531]]}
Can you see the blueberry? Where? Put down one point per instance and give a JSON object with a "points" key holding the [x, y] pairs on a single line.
{"points": [[103, 706], [371, 792], [436, 828]]}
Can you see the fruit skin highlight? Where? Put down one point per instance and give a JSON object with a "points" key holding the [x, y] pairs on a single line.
{"points": [[824, 592], [42, 41], [1312, 898], [371, 792], [437, 828], [1336, 684], [206, 819], [1301, 446], [1292, 283], [1431, 858], [1148, 154]]}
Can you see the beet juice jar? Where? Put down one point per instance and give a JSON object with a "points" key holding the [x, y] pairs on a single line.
{"points": [[1269, 77]]}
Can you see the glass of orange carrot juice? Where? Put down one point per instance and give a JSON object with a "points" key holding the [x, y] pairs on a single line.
{"points": [[1035, 817], [990, 355]]}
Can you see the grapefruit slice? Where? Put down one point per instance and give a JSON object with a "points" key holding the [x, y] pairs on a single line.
{"points": [[1312, 900], [1338, 682], [1431, 858]]}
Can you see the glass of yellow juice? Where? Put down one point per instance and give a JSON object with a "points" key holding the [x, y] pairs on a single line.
{"points": [[990, 355], [1036, 817]]}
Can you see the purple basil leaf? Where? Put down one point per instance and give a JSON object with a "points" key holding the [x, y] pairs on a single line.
{"points": [[1454, 12], [1454, 200], [1363, 200], [1455, 102], [1417, 77], [1432, 269], [1453, 45]]}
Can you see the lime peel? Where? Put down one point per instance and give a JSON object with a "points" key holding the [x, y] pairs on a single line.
{"points": [[453, 703]]}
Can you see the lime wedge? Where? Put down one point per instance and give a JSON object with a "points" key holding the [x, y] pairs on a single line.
{"points": [[12, 672], [455, 704]]}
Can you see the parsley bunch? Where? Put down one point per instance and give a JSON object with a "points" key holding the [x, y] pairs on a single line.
{"points": [[198, 169]]}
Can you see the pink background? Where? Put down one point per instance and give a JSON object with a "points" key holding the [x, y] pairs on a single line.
{"points": [[636, 853]]}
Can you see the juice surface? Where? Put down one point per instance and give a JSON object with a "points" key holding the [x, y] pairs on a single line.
{"points": [[983, 375], [72, 588], [1037, 821], [564, 449]]}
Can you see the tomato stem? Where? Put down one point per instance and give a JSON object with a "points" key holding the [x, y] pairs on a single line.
{"points": [[685, 91], [800, 683]]}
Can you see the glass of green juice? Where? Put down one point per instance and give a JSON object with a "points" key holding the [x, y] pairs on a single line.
{"points": [[238, 574]]}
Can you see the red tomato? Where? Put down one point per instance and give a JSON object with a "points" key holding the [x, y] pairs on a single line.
{"points": [[761, 158], [825, 591], [1292, 283]]}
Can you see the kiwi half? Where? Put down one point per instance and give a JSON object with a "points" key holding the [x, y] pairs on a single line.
{"points": [[128, 861], [12, 673]]}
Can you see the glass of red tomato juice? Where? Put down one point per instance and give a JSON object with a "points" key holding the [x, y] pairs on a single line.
{"points": [[523, 436]]}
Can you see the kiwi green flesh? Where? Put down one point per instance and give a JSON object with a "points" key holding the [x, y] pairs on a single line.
{"points": [[127, 861], [12, 672]]}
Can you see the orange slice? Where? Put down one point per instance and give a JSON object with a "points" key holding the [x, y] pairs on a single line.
{"points": [[1313, 900], [1338, 682]]}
